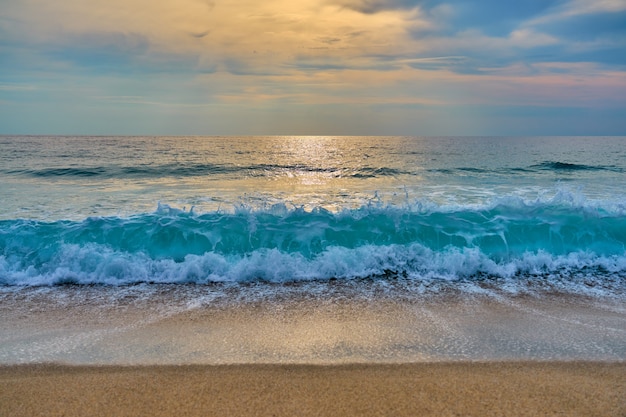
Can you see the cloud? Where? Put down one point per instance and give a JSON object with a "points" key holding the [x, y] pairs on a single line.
{"points": [[376, 6], [253, 56], [572, 8], [17, 87], [200, 35], [264, 38], [589, 27], [490, 17], [103, 50], [276, 29], [588, 31]]}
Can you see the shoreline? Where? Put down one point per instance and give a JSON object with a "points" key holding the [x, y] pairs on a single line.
{"points": [[329, 324], [510, 388], [194, 351]]}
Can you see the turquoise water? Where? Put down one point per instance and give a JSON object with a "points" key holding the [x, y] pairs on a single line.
{"points": [[126, 210]]}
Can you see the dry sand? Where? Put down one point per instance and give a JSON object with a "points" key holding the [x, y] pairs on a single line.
{"points": [[426, 389]]}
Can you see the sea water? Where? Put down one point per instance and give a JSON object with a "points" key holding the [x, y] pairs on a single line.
{"points": [[261, 217], [127, 210]]}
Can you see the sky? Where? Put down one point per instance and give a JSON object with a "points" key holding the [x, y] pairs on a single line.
{"points": [[313, 67]]}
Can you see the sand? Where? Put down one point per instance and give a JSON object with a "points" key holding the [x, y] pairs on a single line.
{"points": [[202, 351], [425, 389], [202, 325]]}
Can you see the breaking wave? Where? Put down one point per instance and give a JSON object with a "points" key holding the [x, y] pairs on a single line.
{"points": [[508, 239]]}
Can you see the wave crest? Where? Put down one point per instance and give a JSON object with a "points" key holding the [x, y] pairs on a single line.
{"points": [[507, 239], [96, 264]]}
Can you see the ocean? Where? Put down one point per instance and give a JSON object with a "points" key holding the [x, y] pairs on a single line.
{"points": [[242, 221]]}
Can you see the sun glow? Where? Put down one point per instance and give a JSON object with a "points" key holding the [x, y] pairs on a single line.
{"points": [[344, 67]]}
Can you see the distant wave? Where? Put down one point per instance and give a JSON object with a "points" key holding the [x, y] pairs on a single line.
{"points": [[508, 239], [544, 166], [191, 170], [566, 166], [147, 171], [178, 170]]}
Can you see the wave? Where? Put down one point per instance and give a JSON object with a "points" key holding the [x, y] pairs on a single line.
{"points": [[191, 170], [566, 166], [555, 166], [508, 239], [178, 170], [140, 171]]}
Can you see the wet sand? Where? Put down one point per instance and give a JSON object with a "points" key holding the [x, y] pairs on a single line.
{"points": [[152, 325], [426, 389], [309, 350]]}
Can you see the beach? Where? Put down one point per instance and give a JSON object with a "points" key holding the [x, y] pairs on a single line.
{"points": [[427, 389], [318, 323], [79, 351]]}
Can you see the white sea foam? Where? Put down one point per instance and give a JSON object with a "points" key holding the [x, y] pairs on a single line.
{"points": [[95, 264]]}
